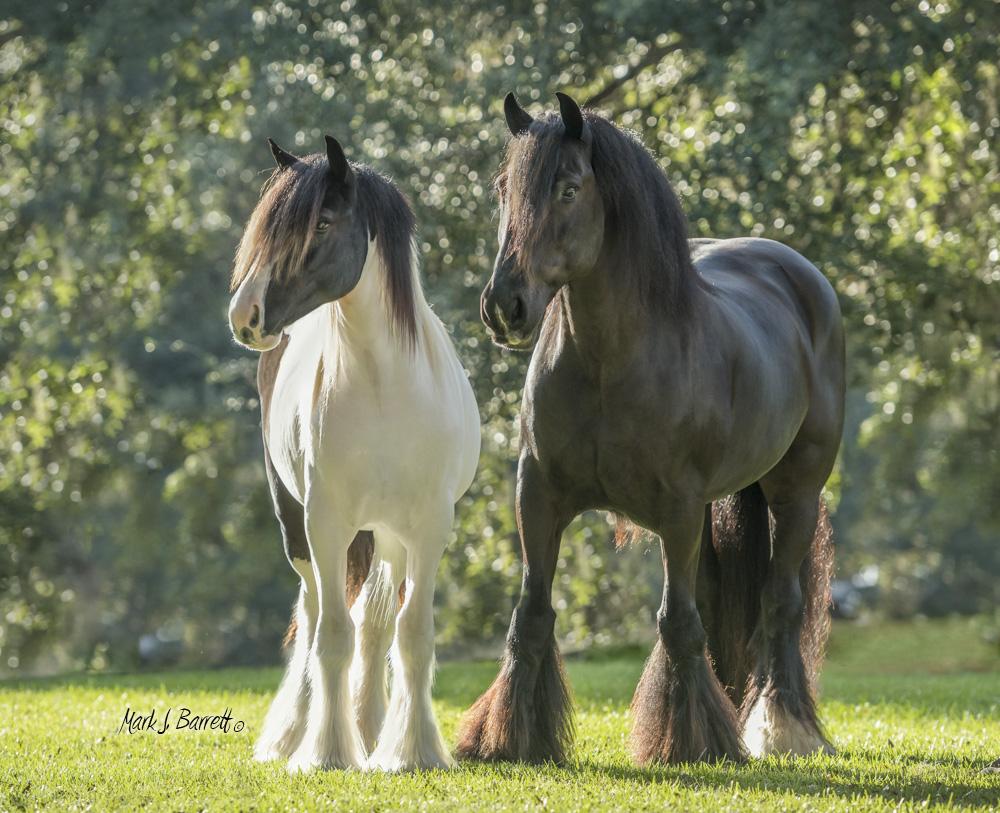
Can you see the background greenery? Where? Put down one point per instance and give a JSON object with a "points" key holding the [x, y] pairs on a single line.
{"points": [[132, 494]]}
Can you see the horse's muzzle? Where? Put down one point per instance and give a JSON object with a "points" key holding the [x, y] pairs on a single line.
{"points": [[504, 316], [246, 320]]}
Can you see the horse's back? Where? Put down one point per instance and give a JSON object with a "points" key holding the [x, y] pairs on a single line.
{"points": [[787, 311], [756, 270]]}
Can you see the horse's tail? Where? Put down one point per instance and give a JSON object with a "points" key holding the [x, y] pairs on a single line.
{"points": [[359, 562], [741, 540], [818, 572]]}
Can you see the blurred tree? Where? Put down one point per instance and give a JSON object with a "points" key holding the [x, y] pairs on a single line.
{"points": [[132, 496]]}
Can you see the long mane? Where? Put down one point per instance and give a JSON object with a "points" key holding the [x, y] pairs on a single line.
{"points": [[280, 231], [643, 215]]}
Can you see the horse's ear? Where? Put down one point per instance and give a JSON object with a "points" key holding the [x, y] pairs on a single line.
{"points": [[571, 115], [340, 169], [518, 119], [281, 158]]}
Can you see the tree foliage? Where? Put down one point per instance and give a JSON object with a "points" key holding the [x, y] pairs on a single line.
{"points": [[132, 495]]}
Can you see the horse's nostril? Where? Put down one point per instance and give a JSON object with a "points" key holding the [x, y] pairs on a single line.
{"points": [[255, 316], [517, 312], [245, 334]]}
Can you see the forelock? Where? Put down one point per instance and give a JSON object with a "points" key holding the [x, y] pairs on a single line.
{"points": [[527, 178], [280, 229]]}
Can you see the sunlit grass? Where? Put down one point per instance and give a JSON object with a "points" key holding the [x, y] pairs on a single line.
{"points": [[913, 709]]}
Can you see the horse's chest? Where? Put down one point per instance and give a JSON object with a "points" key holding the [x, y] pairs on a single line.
{"points": [[601, 456], [369, 439], [557, 421], [632, 461]]}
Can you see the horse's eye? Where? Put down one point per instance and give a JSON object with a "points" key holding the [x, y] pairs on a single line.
{"points": [[569, 193], [322, 226]]}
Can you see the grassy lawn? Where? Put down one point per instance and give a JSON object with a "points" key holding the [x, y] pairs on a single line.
{"points": [[914, 710]]}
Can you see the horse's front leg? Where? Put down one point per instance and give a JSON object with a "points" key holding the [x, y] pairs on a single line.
{"points": [[410, 738], [374, 613], [285, 723], [680, 711], [331, 738], [526, 714], [286, 719]]}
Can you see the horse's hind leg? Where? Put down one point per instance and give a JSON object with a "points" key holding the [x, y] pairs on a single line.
{"points": [[286, 718], [779, 711], [410, 738], [374, 614], [680, 711]]}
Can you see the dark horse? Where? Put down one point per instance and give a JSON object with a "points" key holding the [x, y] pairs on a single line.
{"points": [[693, 388]]}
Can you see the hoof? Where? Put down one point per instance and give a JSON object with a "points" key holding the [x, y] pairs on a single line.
{"points": [[394, 763], [307, 764], [472, 741], [266, 754], [282, 747], [771, 729], [525, 716], [684, 717], [486, 737], [301, 764], [307, 760], [412, 746]]}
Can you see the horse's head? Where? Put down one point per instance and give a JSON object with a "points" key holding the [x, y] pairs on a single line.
{"points": [[551, 219], [305, 245]]}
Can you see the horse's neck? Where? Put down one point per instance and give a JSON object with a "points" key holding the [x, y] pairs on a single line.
{"points": [[599, 317], [362, 322], [607, 324]]}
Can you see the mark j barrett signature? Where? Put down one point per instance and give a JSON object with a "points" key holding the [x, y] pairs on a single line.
{"points": [[185, 719]]}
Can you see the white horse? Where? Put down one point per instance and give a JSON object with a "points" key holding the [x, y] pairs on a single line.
{"points": [[371, 435]]}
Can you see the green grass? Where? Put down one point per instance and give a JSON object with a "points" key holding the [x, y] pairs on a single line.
{"points": [[913, 709]]}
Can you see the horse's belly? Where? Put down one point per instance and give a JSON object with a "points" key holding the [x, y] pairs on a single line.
{"points": [[763, 426], [743, 469], [646, 456]]}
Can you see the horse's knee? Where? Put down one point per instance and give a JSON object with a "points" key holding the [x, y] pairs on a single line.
{"points": [[681, 631], [334, 638], [794, 528], [532, 630], [414, 628], [782, 604]]}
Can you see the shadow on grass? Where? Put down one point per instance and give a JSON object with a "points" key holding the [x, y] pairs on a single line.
{"points": [[830, 776]]}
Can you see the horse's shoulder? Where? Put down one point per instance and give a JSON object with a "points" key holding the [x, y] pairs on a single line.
{"points": [[267, 374]]}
